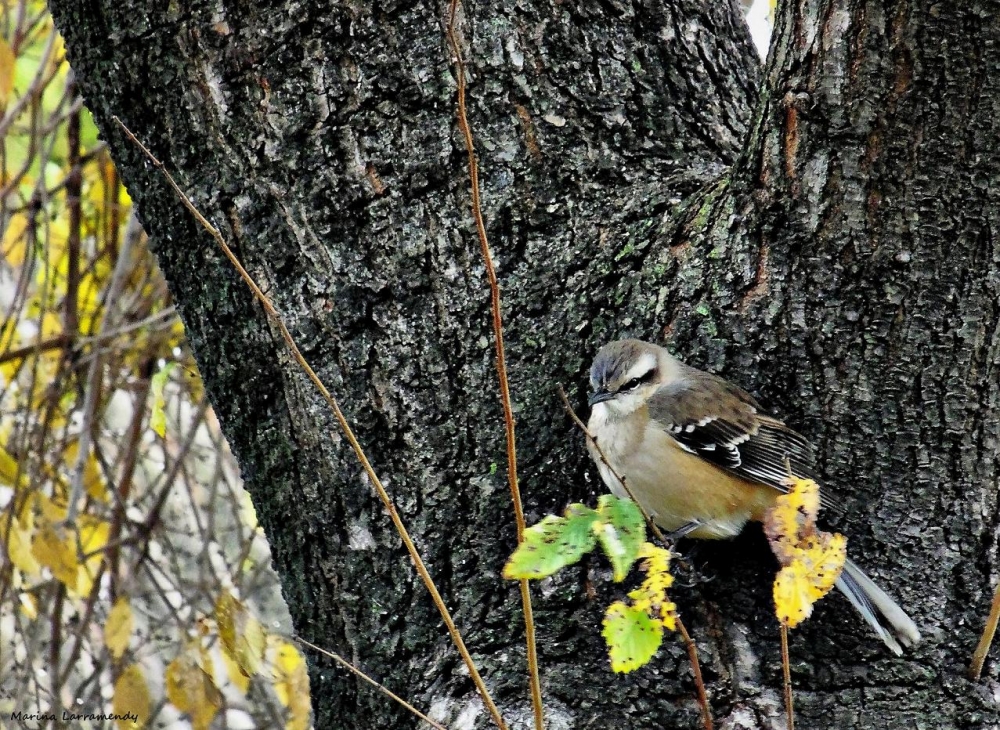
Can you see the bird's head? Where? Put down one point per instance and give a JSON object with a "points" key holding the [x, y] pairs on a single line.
{"points": [[626, 373]]}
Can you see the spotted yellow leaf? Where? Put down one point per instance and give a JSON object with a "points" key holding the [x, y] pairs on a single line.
{"points": [[242, 635], [118, 627], [632, 636], [808, 578], [811, 559], [131, 699], [191, 687], [54, 547]]}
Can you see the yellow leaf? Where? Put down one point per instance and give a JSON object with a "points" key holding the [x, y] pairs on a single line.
{"points": [[158, 415], [242, 635], [93, 480], [811, 559], [29, 605], [15, 242], [19, 544], [632, 636], [118, 628], [52, 325], [191, 688], [94, 534], [291, 683], [7, 60], [791, 595], [50, 510], [792, 518], [236, 675], [9, 339], [131, 699], [56, 550]]}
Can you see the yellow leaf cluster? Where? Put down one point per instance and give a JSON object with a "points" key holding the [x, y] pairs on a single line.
{"points": [[634, 632], [811, 559], [39, 537], [651, 595]]}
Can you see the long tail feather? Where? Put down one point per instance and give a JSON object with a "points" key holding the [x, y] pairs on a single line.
{"points": [[878, 609]]}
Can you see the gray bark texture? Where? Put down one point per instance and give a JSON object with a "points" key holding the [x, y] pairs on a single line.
{"points": [[823, 231]]}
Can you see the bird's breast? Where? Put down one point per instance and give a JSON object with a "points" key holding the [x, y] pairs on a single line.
{"points": [[675, 486]]}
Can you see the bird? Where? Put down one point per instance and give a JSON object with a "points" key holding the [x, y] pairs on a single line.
{"points": [[703, 460]]}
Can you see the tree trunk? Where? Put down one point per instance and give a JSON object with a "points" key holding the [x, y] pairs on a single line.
{"points": [[829, 244]]}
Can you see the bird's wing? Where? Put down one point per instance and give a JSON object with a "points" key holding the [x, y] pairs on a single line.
{"points": [[720, 423]]}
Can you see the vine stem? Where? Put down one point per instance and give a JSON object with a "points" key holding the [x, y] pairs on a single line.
{"points": [[534, 678], [787, 671], [699, 681], [359, 452], [983, 647], [380, 687]]}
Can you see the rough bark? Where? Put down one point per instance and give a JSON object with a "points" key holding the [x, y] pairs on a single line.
{"points": [[830, 245]]}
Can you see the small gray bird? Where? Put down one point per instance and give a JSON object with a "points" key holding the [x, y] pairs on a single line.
{"points": [[703, 461]]}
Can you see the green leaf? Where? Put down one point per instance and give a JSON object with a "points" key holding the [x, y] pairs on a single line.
{"points": [[632, 636], [553, 543], [158, 416], [621, 533]]}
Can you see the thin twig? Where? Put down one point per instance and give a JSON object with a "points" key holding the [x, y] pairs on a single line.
{"points": [[74, 186], [692, 649], [359, 452], [787, 670], [381, 688], [55, 343], [699, 681], [534, 678], [986, 640], [92, 397]]}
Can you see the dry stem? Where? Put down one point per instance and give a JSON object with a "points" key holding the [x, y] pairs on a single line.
{"points": [[508, 412]]}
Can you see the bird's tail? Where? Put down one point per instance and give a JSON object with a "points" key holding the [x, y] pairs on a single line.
{"points": [[877, 608]]}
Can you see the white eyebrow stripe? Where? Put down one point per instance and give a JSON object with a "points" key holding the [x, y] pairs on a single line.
{"points": [[645, 363]]}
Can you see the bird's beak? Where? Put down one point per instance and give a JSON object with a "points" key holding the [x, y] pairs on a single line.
{"points": [[599, 397]]}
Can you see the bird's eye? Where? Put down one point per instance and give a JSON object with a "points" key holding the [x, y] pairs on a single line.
{"points": [[632, 384]]}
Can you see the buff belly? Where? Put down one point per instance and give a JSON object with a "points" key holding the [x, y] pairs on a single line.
{"points": [[677, 487]]}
